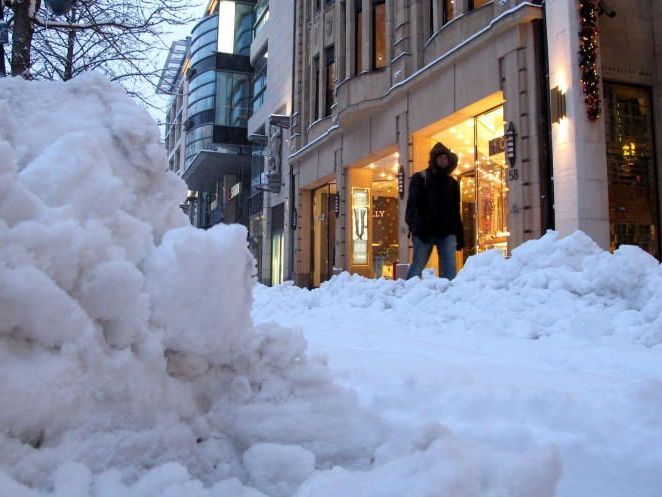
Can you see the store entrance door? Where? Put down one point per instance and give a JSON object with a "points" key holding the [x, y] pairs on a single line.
{"points": [[633, 191], [324, 233], [481, 172]]}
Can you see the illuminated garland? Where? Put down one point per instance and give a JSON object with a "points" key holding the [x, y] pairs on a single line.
{"points": [[588, 53]]}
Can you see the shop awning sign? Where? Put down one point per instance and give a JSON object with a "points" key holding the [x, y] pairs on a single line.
{"points": [[497, 145]]}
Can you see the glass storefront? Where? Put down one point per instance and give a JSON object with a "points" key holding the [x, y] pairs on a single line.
{"points": [[633, 192], [324, 233], [374, 218], [482, 173]]}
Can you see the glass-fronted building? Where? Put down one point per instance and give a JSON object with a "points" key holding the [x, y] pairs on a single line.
{"points": [[217, 152]]}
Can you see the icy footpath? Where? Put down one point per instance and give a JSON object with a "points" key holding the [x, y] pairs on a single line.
{"points": [[559, 345], [129, 362]]}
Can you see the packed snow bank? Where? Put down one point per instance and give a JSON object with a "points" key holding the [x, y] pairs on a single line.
{"points": [[549, 286], [129, 362]]}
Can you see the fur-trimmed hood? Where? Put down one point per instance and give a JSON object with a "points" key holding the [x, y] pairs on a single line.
{"points": [[440, 148]]}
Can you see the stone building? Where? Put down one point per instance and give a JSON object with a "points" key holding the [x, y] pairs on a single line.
{"points": [[269, 129], [377, 83]]}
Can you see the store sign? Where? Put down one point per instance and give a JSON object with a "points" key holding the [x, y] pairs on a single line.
{"points": [[497, 145], [235, 190]]}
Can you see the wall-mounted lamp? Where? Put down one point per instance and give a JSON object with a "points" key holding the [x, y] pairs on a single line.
{"points": [[511, 144], [558, 107], [401, 182], [334, 203]]}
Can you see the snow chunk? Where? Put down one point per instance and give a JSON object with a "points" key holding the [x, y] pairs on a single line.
{"points": [[278, 470]]}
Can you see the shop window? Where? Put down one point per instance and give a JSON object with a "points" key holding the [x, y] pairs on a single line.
{"points": [[329, 97], [633, 191], [481, 172], [278, 244], [255, 235], [374, 218], [379, 35], [358, 38]]}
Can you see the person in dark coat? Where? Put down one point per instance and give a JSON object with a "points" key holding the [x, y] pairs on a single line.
{"points": [[433, 213]]}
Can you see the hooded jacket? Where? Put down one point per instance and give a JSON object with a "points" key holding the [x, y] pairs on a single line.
{"points": [[433, 205]]}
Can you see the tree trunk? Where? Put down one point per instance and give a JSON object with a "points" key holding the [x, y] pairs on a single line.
{"points": [[3, 70], [22, 37], [71, 39]]}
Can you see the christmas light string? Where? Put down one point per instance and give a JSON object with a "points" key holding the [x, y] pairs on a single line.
{"points": [[588, 54]]}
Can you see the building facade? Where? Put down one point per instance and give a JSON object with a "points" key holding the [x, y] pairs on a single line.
{"points": [[269, 130], [377, 83]]}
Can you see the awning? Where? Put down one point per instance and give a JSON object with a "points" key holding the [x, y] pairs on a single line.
{"points": [[209, 167]]}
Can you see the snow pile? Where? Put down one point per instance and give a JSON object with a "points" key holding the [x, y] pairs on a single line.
{"points": [[129, 360], [549, 286], [558, 345]]}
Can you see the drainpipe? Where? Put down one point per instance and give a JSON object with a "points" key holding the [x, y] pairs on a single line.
{"points": [[290, 252], [546, 163]]}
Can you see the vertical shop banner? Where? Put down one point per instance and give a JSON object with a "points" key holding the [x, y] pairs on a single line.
{"points": [[360, 225]]}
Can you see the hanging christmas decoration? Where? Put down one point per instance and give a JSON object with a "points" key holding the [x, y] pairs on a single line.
{"points": [[588, 54]]}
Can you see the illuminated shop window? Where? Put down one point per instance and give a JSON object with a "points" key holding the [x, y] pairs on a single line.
{"points": [[482, 172]]}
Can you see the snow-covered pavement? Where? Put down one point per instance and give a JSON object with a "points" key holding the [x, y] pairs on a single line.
{"points": [[509, 368]]}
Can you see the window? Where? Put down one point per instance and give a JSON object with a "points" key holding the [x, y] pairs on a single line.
{"points": [[198, 139], [316, 98], [201, 93], [358, 38], [449, 11], [204, 39], [329, 99], [232, 99], [261, 16], [243, 29], [260, 81], [235, 30], [431, 15], [379, 35]]}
